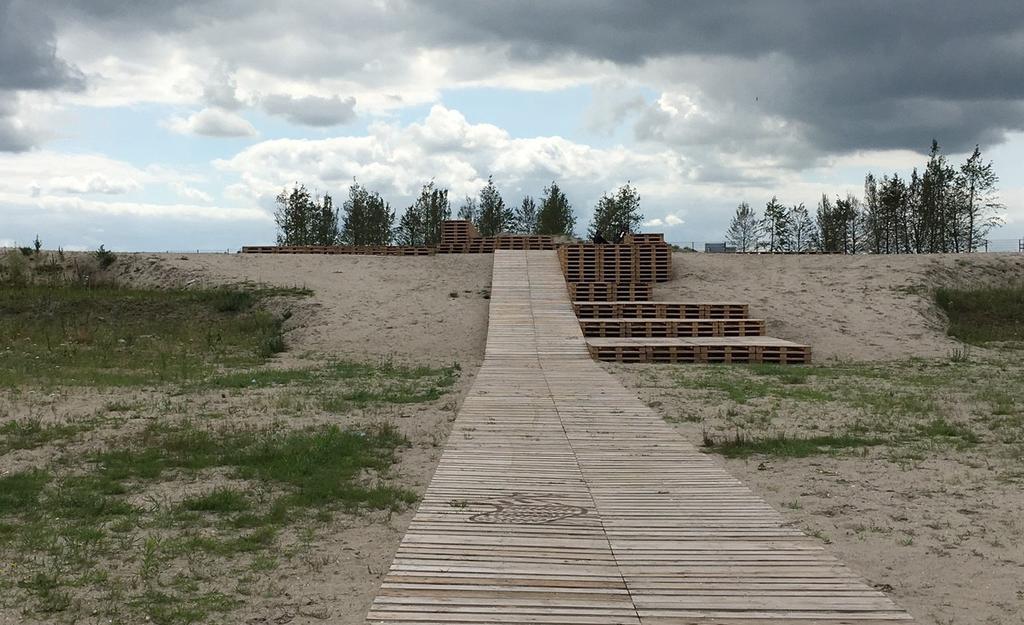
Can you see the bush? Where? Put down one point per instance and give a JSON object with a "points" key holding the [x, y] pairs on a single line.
{"points": [[14, 269], [105, 257]]}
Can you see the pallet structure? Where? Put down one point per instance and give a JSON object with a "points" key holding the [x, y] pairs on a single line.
{"points": [[361, 250], [562, 499], [611, 288]]}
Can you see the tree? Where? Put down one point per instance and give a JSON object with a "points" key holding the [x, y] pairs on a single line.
{"points": [[802, 229], [468, 211], [420, 224], [976, 182], [434, 208], [410, 230], [555, 216], [617, 214], [494, 217], [830, 226], [304, 220], [776, 226], [526, 216], [743, 229], [367, 219]]}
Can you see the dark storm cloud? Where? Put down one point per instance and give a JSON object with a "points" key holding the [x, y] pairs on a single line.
{"points": [[28, 50], [854, 75]]}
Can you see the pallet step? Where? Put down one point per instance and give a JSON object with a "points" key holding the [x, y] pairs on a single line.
{"points": [[671, 328], [610, 291], [740, 349], [590, 309]]}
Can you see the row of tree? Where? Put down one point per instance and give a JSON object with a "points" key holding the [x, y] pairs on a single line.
{"points": [[366, 219], [943, 209]]}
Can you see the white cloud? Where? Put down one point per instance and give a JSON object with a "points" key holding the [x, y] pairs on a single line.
{"points": [[212, 122], [191, 193], [396, 160], [672, 220], [96, 183]]}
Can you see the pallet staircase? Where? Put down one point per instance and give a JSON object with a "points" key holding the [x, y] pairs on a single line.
{"points": [[612, 289]]}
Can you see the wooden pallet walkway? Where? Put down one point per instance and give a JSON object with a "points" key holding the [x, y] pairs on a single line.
{"points": [[561, 499]]}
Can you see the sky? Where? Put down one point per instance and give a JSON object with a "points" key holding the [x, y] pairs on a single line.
{"points": [[157, 125]]}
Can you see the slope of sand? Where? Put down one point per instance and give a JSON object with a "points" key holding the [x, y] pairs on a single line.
{"points": [[422, 309], [853, 308]]}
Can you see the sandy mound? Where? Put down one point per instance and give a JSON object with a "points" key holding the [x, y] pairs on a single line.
{"points": [[845, 307], [423, 309]]}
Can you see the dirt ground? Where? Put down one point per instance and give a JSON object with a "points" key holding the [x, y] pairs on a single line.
{"points": [[932, 513], [936, 525], [430, 309], [857, 308], [408, 311]]}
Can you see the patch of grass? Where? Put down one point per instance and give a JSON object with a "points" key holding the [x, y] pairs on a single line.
{"points": [[20, 491], [319, 466], [741, 388], [780, 445], [32, 433], [982, 315], [944, 430], [109, 336], [221, 500]]}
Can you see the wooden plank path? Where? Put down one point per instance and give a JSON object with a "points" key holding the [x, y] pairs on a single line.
{"points": [[561, 499]]}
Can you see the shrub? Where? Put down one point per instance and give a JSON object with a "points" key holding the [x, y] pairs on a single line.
{"points": [[105, 257]]}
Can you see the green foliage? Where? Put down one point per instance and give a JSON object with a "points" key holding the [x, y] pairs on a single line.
{"points": [[304, 220], [526, 216], [984, 314], [420, 224], [494, 217], [776, 226], [617, 214], [20, 491], [469, 211], [367, 219], [104, 257], [744, 229], [555, 216]]}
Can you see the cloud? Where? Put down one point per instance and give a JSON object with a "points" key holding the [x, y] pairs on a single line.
{"points": [[28, 50], [212, 122], [311, 110], [396, 160], [191, 193], [96, 183]]}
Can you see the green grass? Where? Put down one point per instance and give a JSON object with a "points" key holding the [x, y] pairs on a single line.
{"points": [[60, 531], [110, 336], [983, 315], [32, 433], [739, 386], [780, 445]]}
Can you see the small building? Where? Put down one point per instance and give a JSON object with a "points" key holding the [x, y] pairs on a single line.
{"points": [[719, 248]]}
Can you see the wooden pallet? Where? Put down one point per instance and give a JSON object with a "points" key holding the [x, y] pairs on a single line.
{"points": [[609, 291], [458, 232], [670, 328], [361, 250], [561, 499], [591, 309], [587, 262], [740, 349]]}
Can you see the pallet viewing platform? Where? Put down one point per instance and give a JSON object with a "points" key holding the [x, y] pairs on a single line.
{"points": [[561, 499]]}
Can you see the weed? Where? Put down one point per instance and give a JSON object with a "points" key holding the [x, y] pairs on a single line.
{"points": [[740, 446]]}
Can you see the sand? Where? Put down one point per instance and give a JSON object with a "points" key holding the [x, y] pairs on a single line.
{"points": [[848, 308], [433, 310], [426, 309]]}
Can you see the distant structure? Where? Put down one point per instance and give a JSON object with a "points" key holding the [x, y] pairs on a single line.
{"points": [[719, 248]]}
